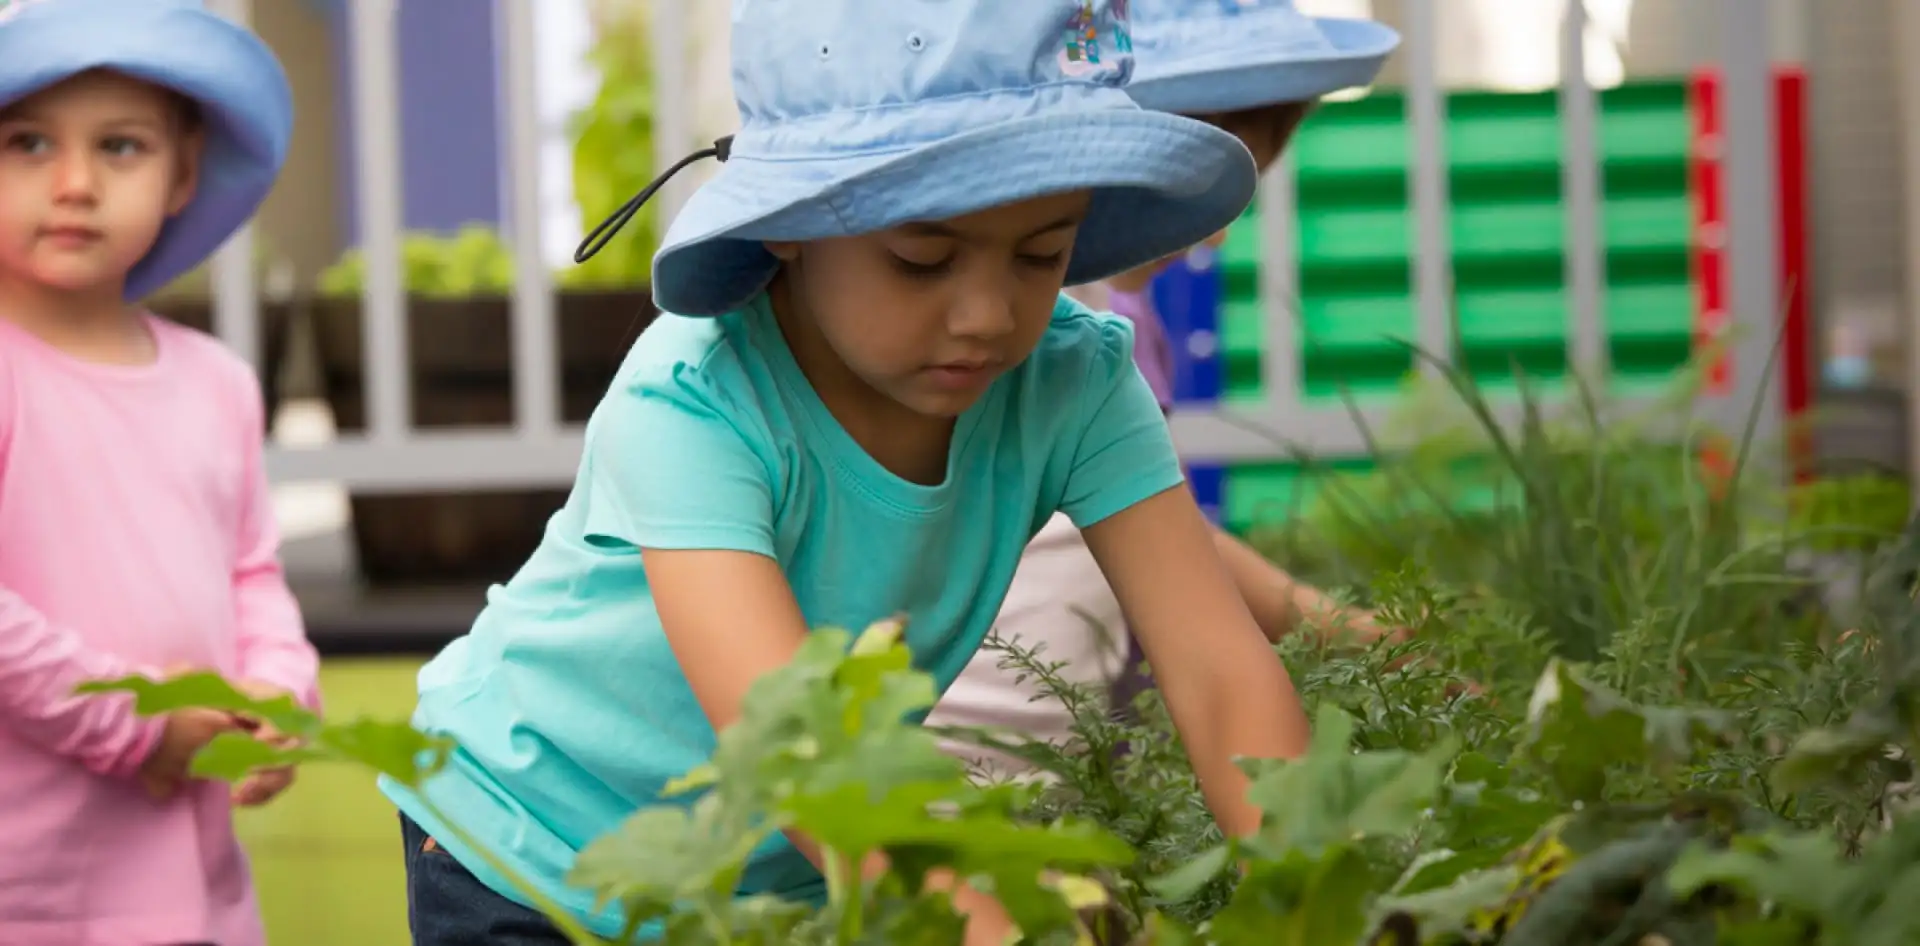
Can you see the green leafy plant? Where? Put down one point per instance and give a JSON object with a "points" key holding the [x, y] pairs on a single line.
{"points": [[472, 262], [612, 161], [613, 155]]}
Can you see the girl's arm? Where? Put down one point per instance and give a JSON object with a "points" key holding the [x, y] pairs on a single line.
{"points": [[731, 617], [1279, 601], [1225, 687], [41, 663], [274, 652]]}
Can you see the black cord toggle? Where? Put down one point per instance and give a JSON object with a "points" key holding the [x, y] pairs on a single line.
{"points": [[602, 234]]}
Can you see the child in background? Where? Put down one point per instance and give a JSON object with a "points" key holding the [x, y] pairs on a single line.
{"points": [[1252, 68], [869, 396], [135, 530]]}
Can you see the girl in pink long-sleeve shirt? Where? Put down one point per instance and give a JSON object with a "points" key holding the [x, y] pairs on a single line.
{"points": [[135, 530]]}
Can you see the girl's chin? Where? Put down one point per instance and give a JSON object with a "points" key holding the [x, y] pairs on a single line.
{"points": [[69, 280]]}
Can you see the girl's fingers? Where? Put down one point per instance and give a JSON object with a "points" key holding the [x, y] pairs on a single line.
{"points": [[262, 786]]}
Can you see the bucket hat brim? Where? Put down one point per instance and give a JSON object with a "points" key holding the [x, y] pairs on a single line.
{"points": [[1237, 77], [246, 105], [1160, 183]]}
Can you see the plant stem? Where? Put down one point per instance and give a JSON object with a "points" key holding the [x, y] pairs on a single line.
{"points": [[839, 896]]}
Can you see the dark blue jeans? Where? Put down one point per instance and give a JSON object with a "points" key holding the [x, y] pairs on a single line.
{"points": [[448, 906]]}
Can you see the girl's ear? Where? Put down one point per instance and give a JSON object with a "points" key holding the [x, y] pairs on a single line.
{"points": [[783, 250]]}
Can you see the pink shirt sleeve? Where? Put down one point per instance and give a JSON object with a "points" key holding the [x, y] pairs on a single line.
{"points": [[273, 641], [41, 663]]}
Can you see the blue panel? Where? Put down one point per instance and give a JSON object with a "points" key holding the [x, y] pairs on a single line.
{"points": [[1209, 488], [1187, 293], [450, 156]]}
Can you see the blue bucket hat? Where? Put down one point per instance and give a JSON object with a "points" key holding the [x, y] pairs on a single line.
{"points": [[860, 115], [178, 45], [1202, 57]]}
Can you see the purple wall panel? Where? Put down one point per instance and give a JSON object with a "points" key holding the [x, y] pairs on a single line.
{"points": [[449, 114]]}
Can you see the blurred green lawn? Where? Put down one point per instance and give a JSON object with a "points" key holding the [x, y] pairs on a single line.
{"points": [[326, 855]]}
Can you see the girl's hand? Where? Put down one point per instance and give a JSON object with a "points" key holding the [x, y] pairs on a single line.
{"points": [[1455, 688], [263, 785], [987, 922], [1357, 625], [186, 732]]}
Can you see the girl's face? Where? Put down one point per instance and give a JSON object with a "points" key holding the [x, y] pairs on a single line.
{"points": [[926, 315], [90, 170]]}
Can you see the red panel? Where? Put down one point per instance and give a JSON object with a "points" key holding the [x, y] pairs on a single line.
{"points": [[1709, 255], [1709, 224], [1796, 354], [1709, 200]]}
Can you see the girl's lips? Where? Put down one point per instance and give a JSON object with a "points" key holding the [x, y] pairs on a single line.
{"points": [[959, 376], [72, 237]]}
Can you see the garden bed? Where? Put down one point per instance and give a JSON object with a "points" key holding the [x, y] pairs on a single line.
{"points": [[1674, 743], [461, 375]]}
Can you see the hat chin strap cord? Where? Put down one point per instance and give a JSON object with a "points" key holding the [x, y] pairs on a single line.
{"points": [[608, 228]]}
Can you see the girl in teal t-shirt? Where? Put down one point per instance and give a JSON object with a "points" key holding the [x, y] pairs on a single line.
{"points": [[868, 396]]}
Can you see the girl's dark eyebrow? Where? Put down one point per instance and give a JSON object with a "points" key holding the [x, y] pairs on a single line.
{"points": [[144, 124], [935, 228], [1070, 220]]}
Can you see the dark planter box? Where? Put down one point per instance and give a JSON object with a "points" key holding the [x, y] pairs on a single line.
{"points": [[197, 314], [462, 376]]}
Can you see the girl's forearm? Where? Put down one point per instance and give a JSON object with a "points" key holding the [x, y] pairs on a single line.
{"points": [[1256, 714], [1279, 602]]}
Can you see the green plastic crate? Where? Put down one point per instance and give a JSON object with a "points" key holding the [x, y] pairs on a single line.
{"points": [[1355, 239], [1354, 235], [1647, 225]]}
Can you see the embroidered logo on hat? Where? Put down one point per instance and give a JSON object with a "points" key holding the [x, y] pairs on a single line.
{"points": [[12, 8], [1083, 54]]}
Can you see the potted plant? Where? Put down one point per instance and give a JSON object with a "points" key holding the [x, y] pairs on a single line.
{"points": [[461, 375]]}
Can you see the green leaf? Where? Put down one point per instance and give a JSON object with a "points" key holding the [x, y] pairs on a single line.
{"points": [[970, 828], [1449, 909], [1186, 881], [1823, 756], [206, 691], [1333, 795], [1623, 879], [668, 855], [1578, 731], [1805, 871], [230, 756], [1300, 899], [394, 749]]}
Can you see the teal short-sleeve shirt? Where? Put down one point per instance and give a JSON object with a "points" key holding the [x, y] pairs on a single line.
{"points": [[567, 703]]}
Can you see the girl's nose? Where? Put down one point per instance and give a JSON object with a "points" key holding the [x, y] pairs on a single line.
{"points": [[981, 315], [75, 177]]}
